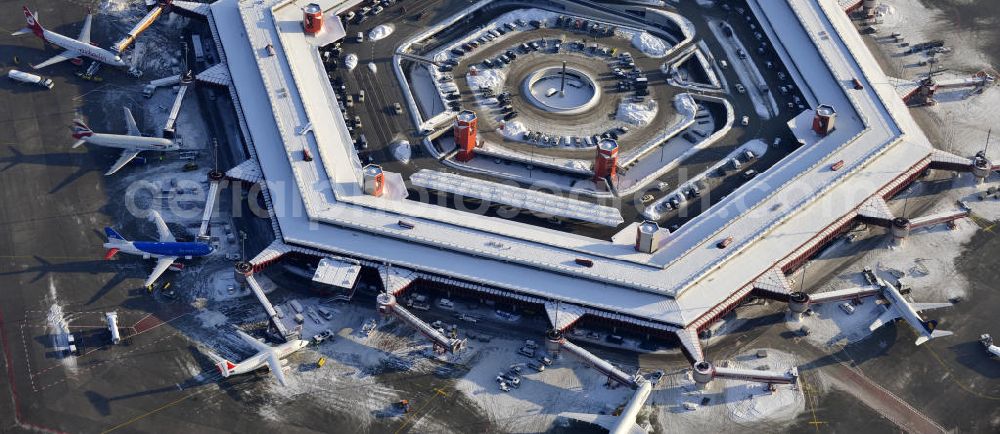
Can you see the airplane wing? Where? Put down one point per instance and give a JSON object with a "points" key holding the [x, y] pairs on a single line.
{"points": [[275, 364], [888, 316], [127, 155], [161, 227], [65, 55], [85, 31], [258, 345], [927, 306], [161, 265], [133, 130]]}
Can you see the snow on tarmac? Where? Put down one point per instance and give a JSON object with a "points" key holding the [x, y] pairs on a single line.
{"points": [[566, 386], [682, 407]]}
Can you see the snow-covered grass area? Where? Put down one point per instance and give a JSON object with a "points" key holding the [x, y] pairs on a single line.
{"points": [[636, 113], [381, 31], [515, 128], [650, 45], [730, 401]]}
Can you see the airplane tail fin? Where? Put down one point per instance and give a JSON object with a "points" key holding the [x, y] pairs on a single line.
{"points": [[932, 332], [81, 130], [225, 367], [113, 234], [33, 25]]}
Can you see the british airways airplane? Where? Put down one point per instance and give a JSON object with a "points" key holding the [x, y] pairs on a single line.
{"points": [[131, 143], [75, 48], [166, 250]]}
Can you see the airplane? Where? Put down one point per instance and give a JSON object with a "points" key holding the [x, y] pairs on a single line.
{"points": [[899, 307], [267, 356], [166, 250], [75, 48], [131, 144]]}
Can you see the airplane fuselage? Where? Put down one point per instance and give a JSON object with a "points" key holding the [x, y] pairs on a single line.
{"points": [[259, 360], [156, 249], [137, 143], [905, 310], [97, 53]]}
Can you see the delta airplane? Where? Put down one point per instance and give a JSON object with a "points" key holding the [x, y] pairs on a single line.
{"points": [[267, 356], [75, 48], [166, 250], [131, 144]]}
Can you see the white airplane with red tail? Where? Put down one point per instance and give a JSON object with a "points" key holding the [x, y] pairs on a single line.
{"points": [[76, 49], [266, 357]]}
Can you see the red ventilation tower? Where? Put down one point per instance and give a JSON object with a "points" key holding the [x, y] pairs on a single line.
{"points": [[825, 117], [374, 180], [465, 134], [312, 18], [606, 163]]}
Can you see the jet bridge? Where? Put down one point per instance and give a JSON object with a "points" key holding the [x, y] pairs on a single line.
{"points": [[605, 367], [387, 306], [175, 110], [262, 298], [703, 372]]}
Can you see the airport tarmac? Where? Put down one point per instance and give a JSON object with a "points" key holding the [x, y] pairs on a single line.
{"points": [[57, 201]]}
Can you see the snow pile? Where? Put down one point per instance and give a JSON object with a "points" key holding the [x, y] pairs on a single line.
{"points": [[685, 105], [402, 151], [211, 318], [651, 45], [381, 32], [487, 78], [637, 113], [514, 129], [57, 326], [351, 61]]}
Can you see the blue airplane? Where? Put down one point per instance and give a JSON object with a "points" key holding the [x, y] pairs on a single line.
{"points": [[166, 250]]}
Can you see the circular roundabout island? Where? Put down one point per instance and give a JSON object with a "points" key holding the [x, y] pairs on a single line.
{"points": [[561, 90]]}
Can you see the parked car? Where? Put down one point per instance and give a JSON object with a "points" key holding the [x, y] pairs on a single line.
{"points": [[847, 308]]}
